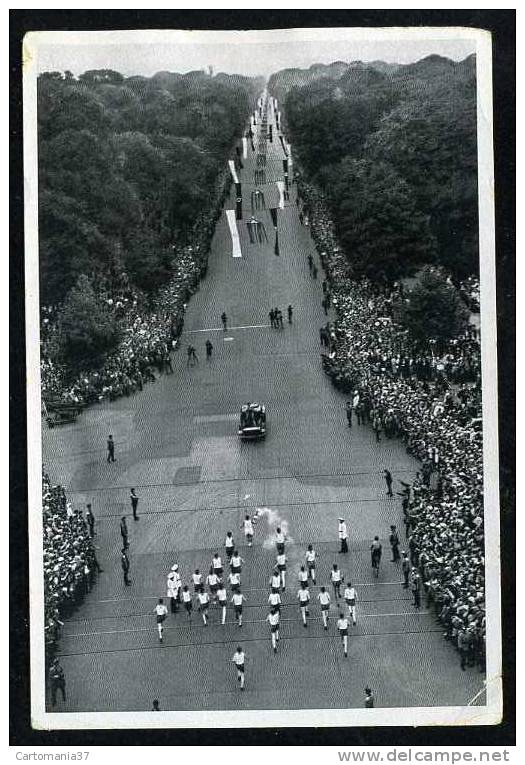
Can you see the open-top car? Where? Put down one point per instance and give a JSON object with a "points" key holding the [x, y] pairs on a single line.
{"points": [[252, 422]]}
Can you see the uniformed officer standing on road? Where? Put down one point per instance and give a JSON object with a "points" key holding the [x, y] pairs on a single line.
{"points": [[134, 503], [124, 562], [394, 544], [405, 568], [90, 518], [416, 588], [57, 681]]}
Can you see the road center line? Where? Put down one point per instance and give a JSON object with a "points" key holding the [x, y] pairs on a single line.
{"points": [[252, 621], [221, 329]]}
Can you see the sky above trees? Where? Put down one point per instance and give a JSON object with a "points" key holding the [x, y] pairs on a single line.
{"points": [[249, 53]]}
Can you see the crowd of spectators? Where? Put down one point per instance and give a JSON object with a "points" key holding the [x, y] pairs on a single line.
{"points": [[432, 402], [70, 561], [147, 335]]}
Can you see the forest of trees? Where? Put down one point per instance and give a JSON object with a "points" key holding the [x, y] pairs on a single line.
{"points": [[126, 165], [394, 150]]}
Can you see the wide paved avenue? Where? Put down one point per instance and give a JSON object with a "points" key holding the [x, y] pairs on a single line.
{"points": [[177, 444]]}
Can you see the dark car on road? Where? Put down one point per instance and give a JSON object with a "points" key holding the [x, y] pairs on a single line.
{"points": [[252, 424]]}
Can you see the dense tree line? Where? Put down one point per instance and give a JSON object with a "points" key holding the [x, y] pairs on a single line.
{"points": [[394, 150], [126, 167]]}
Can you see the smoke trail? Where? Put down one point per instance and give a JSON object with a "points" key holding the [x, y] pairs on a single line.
{"points": [[274, 521]]}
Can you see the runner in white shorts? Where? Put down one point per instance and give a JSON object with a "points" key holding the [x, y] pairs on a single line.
{"points": [[161, 612], [324, 600], [274, 599], [204, 602], [281, 565], [236, 562], [302, 576], [303, 595], [217, 565], [198, 586], [273, 620], [350, 596], [248, 530], [222, 599], [237, 600], [229, 544], [342, 626], [238, 659], [213, 581], [187, 601], [310, 562], [275, 581], [235, 581], [337, 578]]}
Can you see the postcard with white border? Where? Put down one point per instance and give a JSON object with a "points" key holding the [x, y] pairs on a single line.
{"points": [[261, 378]]}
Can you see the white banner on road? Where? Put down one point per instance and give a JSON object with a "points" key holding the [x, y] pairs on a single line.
{"points": [[232, 223], [244, 148], [280, 186], [233, 171]]}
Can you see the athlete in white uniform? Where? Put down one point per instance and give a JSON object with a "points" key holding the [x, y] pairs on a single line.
{"points": [[324, 600], [310, 562], [302, 576], [274, 599], [197, 581], [204, 602], [217, 565], [342, 626], [273, 620], [235, 581], [238, 659], [303, 595], [280, 539], [337, 578], [350, 596], [248, 530], [187, 601], [222, 599], [237, 600], [161, 612], [236, 562], [281, 565], [275, 581], [229, 544], [213, 581]]}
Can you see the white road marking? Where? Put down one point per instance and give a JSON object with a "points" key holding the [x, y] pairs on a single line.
{"points": [[228, 339], [280, 186], [236, 244], [221, 329], [252, 621], [233, 171]]}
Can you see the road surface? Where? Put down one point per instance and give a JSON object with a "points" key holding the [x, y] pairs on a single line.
{"points": [[177, 444]]}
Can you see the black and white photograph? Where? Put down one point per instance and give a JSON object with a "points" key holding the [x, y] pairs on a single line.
{"points": [[261, 378]]}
